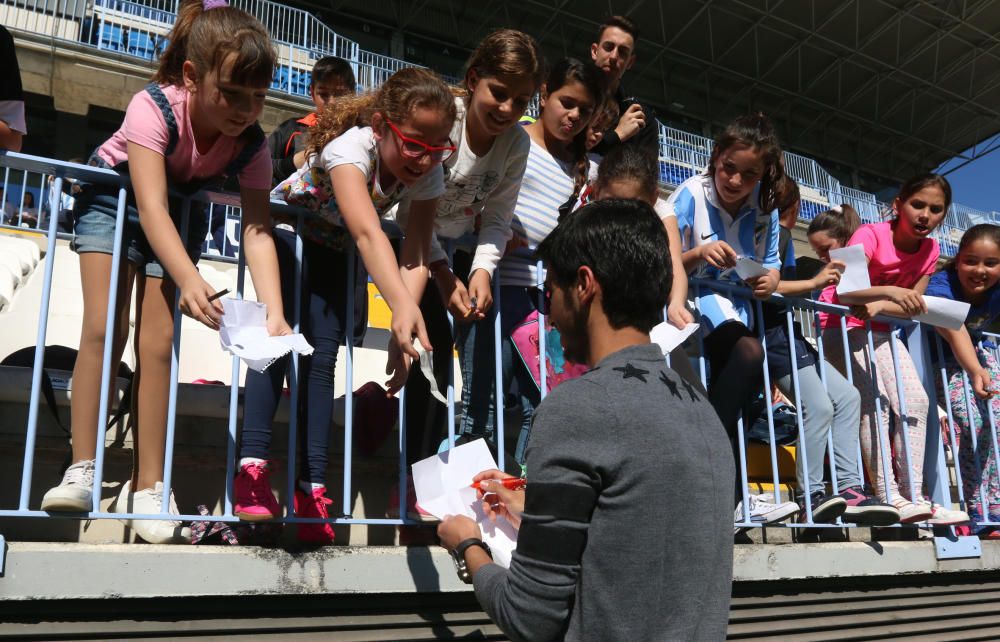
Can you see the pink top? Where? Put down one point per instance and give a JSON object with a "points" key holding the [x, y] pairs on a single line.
{"points": [[144, 125], [887, 265]]}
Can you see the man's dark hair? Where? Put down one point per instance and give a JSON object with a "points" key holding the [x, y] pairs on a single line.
{"points": [[623, 23], [330, 68], [625, 244]]}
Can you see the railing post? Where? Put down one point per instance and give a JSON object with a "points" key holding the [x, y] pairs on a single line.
{"points": [[947, 544]]}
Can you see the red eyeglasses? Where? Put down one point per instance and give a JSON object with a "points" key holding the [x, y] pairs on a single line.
{"points": [[413, 148]]}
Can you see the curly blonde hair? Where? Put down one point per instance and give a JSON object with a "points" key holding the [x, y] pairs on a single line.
{"points": [[406, 90]]}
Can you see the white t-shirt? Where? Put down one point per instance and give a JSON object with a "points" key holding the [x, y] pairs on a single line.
{"points": [[478, 187], [356, 146]]}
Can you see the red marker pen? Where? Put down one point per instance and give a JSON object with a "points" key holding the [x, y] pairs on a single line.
{"points": [[513, 483]]}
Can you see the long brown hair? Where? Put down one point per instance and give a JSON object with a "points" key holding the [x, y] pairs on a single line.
{"points": [[756, 132], [507, 52], [406, 90], [208, 38], [919, 182], [570, 70]]}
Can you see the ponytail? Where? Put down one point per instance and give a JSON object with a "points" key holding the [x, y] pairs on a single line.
{"points": [[211, 34], [839, 223]]}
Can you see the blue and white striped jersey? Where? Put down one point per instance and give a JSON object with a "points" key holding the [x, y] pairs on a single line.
{"points": [[751, 233]]}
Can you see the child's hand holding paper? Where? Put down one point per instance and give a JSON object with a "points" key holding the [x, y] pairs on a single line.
{"points": [[855, 262]]}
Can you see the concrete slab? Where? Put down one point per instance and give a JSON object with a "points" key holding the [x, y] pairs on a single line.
{"points": [[48, 571]]}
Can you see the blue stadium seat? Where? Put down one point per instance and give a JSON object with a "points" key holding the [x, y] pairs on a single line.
{"points": [[141, 44], [280, 80], [299, 83], [111, 38]]}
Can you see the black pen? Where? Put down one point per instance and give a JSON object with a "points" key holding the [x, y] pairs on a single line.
{"points": [[219, 294]]}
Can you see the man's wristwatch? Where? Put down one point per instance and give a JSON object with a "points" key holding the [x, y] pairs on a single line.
{"points": [[458, 556]]}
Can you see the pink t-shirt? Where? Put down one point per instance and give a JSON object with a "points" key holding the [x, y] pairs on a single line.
{"points": [[144, 125], [886, 266]]}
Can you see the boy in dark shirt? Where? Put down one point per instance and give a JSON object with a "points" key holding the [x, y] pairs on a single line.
{"points": [[331, 77], [614, 458]]}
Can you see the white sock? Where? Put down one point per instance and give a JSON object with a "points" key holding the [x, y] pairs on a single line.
{"points": [[309, 488], [252, 460]]}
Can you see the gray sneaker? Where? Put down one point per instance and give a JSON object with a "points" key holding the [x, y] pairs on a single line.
{"points": [[75, 493]]}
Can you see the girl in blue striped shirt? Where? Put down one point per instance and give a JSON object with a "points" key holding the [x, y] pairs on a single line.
{"points": [[725, 213]]}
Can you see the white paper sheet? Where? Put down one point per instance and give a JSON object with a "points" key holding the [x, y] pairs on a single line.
{"points": [[747, 268], [855, 275], [943, 312], [669, 337], [443, 484], [244, 333], [427, 368]]}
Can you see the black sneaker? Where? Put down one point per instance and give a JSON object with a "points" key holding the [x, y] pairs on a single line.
{"points": [[864, 510], [825, 508]]}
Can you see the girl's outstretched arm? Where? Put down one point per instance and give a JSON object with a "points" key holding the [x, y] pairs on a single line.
{"points": [[829, 275], [149, 182], [677, 312], [414, 257], [262, 259], [965, 353], [351, 191]]}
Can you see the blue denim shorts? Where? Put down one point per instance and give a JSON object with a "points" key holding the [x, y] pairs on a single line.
{"points": [[94, 216]]}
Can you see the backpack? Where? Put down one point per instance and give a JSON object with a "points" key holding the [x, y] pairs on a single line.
{"points": [[58, 357]]}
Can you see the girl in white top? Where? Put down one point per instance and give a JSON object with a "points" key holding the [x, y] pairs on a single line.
{"points": [[482, 179]]}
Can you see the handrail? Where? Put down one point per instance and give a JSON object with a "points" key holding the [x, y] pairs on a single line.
{"points": [[804, 308]]}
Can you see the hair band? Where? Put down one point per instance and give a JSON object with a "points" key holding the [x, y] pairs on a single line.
{"points": [[213, 4]]}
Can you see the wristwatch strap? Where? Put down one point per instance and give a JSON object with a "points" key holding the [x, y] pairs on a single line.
{"points": [[458, 556]]}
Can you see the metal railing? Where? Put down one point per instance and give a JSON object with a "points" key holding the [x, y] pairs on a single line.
{"points": [[39, 170]]}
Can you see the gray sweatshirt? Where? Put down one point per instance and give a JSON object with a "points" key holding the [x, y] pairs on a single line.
{"points": [[628, 510]]}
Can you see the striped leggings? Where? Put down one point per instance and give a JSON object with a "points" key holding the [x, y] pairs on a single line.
{"points": [[904, 478]]}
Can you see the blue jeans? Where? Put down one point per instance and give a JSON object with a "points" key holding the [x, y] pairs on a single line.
{"points": [[322, 320], [830, 409], [476, 354]]}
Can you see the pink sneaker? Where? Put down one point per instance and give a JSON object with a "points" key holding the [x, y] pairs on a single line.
{"points": [[314, 505], [252, 491]]}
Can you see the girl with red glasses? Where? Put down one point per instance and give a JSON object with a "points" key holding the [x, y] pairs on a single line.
{"points": [[365, 153]]}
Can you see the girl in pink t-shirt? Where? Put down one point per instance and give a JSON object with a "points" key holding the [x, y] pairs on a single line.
{"points": [[195, 125], [901, 257]]}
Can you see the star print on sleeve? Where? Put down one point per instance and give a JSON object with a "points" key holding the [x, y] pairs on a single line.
{"points": [[629, 371], [670, 384], [690, 389]]}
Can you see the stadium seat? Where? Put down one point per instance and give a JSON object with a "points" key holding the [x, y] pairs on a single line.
{"points": [[111, 38], [141, 44]]}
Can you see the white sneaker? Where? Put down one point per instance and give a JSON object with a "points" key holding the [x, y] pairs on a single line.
{"points": [[75, 493], [912, 512], [764, 512], [148, 502], [945, 516]]}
